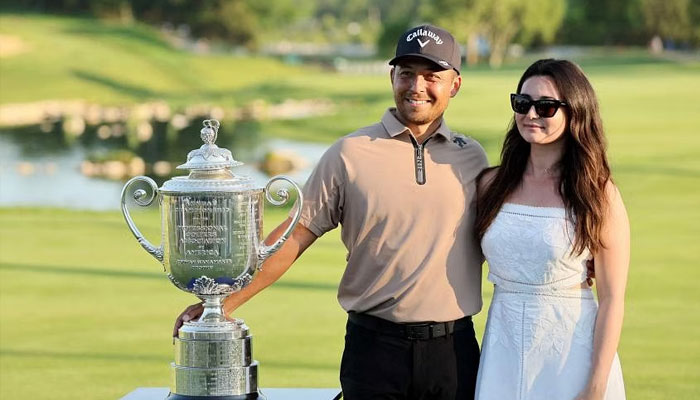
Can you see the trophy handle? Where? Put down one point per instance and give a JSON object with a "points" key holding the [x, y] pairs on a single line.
{"points": [[265, 251], [139, 196]]}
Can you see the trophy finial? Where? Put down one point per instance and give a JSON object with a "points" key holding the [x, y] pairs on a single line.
{"points": [[210, 131], [209, 156]]}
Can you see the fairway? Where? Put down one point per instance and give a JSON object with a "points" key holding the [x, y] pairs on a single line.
{"points": [[87, 314]]}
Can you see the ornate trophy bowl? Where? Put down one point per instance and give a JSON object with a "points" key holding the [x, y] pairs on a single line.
{"points": [[211, 246]]}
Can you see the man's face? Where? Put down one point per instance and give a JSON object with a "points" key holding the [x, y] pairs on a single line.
{"points": [[422, 90]]}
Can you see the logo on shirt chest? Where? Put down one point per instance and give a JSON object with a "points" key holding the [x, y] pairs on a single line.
{"points": [[459, 141]]}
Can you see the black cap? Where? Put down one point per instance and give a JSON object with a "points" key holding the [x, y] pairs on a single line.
{"points": [[432, 43]]}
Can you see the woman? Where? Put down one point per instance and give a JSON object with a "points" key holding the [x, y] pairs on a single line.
{"points": [[547, 209]]}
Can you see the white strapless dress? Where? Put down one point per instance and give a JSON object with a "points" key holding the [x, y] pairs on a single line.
{"points": [[538, 341]]}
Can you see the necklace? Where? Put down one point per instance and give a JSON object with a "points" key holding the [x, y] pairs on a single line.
{"points": [[549, 171]]}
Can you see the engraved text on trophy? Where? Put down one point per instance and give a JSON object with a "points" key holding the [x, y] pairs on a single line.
{"points": [[211, 235]]}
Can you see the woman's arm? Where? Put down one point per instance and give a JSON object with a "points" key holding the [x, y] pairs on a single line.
{"points": [[611, 266]]}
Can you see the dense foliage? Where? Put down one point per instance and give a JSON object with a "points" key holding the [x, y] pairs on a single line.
{"points": [[486, 27]]}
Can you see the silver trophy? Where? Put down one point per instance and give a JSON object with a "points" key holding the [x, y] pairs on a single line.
{"points": [[211, 246]]}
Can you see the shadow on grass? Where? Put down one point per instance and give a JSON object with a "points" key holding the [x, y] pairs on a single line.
{"points": [[56, 269], [164, 358], [127, 34], [131, 90], [270, 92], [84, 356], [90, 271]]}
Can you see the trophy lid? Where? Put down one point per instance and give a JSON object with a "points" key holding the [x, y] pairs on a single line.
{"points": [[209, 156], [210, 167]]}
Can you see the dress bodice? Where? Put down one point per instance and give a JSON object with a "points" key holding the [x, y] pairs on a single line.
{"points": [[529, 250]]}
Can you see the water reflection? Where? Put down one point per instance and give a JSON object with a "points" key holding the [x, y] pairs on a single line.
{"points": [[47, 166], [61, 185]]}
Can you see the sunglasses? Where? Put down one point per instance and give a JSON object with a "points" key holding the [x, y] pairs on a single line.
{"points": [[545, 108]]}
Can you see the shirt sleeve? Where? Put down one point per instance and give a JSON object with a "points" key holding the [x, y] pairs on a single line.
{"points": [[322, 209]]}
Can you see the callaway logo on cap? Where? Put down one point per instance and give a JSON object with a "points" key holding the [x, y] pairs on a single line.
{"points": [[429, 42]]}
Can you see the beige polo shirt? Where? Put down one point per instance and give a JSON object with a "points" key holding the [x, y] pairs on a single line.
{"points": [[407, 216]]}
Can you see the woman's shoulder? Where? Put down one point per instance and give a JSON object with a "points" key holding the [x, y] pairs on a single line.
{"points": [[611, 190], [613, 198]]}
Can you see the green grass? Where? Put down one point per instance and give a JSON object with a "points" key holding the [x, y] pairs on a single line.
{"points": [[91, 317], [108, 63], [86, 313]]}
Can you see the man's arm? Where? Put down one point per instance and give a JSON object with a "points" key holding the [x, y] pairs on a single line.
{"points": [[273, 268]]}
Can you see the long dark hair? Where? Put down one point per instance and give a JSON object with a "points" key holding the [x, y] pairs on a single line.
{"points": [[584, 166]]}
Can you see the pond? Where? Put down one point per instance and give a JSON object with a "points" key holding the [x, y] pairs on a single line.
{"points": [[48, 168]]}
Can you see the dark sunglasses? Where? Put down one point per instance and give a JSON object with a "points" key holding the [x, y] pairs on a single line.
{"points": [[545, 108]]}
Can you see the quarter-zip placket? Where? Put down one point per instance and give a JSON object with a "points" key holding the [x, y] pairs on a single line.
{"points": [[419, 158]]}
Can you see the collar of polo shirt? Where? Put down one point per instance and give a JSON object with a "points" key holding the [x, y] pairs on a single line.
{"points": [[394, 127]]}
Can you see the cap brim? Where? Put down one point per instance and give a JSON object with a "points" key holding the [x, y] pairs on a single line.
{"points": [[437, 61]]}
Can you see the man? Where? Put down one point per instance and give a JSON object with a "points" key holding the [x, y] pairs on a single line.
{"points": [[403, 191]]}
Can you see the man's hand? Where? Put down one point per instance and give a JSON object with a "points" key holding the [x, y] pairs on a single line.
{"points": [[273, 268], [590, 271], [191, 313]]}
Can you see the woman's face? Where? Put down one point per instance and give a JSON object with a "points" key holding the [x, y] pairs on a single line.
{"points": [[533, 128]]}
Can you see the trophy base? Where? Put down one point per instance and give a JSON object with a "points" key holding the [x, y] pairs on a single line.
{"points": [[249, 396], [211, 382], [213, 361]]}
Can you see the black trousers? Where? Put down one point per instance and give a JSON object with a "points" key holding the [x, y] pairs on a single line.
{"points": [[380, 366]]}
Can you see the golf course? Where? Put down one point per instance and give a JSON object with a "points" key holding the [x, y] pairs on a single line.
{"points": [[85, 313]]}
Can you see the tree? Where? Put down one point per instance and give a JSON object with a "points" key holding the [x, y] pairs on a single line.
{"points": [[668, 19], [464, 19], [528, 20], [396, 17], [497, 21], [230, 20], [281, 15], [694, 11], [234, 21], [120, 9], [602, 22]]}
